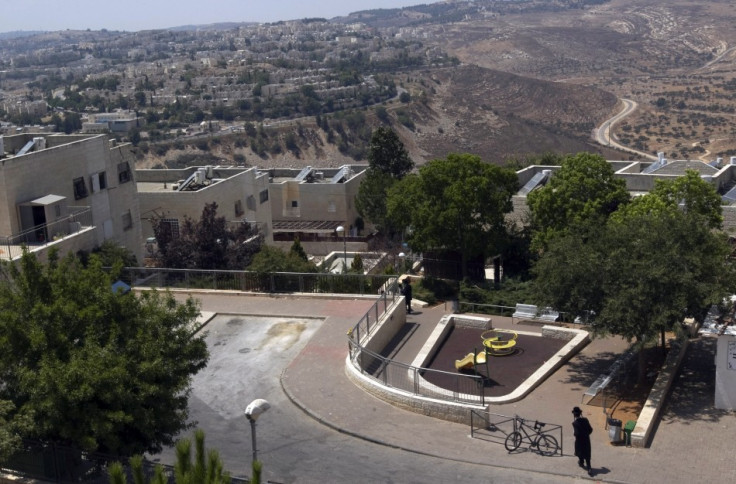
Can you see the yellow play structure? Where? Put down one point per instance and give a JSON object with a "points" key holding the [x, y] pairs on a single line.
{"points": [[467, 363], [496, 342], [499, 342]]}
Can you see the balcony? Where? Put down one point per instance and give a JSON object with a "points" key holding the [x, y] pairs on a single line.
{"points": [[63, 232]]}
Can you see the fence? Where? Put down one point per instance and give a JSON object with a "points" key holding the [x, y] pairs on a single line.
{"points": [[464, 389], [470, 307], [274, 282], [494, 427], [44, 234], [497, 310]]}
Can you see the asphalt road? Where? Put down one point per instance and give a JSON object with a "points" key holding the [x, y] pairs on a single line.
{"points": [[602, 135]]}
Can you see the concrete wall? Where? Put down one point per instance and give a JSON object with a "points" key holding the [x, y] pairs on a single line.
{"points": [[646, 422], [178, 205], [316, 201], [388, 326], [726, 372]]}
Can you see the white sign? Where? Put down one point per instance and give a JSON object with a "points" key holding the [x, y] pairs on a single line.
{"points": [[731, 355]]}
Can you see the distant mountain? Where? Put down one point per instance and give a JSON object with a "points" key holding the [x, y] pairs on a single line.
{"points": [[211, 27], [18, 34]]}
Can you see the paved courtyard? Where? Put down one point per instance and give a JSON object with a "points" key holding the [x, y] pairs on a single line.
{"points": [[303, 368]]}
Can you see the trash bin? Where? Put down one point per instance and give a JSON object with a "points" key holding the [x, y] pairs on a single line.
{"points": [[628, 428], [614, 430]]}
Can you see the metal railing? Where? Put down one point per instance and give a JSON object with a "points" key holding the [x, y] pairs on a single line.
{"points": [[388, 294], [45, 234], [415, 380], [494, 427], [463, 389], [496, 310], [273, 282]]}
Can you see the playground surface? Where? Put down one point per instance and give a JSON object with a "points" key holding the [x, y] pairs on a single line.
{"points": [[505, 373]]}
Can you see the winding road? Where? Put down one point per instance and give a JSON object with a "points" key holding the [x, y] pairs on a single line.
{"points": [[602, 134]]}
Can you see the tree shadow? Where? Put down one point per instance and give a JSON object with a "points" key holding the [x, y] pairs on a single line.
{"points": [[584, 369], [692, 397]]}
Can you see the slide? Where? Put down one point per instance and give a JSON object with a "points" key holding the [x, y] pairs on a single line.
{"points": [[467, 362]]}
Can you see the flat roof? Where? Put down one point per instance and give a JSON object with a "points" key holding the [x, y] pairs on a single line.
{"points": [[49, 199]]}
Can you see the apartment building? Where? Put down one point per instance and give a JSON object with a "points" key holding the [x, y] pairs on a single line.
{"points": [[314, 196], [69, 191], [640, 178], [241, 195], [115, 122], [284, 203]]}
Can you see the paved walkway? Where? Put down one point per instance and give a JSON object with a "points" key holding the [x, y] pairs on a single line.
{"points": [[691, 442]]}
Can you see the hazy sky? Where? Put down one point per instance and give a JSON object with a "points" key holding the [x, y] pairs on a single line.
{"points": [[134, 15]]}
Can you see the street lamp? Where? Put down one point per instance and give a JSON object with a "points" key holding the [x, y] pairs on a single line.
{"points": [[341, 229], [403, 263], [252, 412]]}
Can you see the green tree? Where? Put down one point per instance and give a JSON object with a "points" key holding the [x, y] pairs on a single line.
{"points": [[357, 264], [96, 370], [12, 427], [388, 162], [388, 154], [371, 198], [111, 254], [206, 468], [640, 275], [296, 248], [140, 98], [273, 259], [458, 203], [689, 193], [209, 243], [583, 189]]}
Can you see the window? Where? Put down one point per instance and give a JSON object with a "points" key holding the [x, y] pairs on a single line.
{"points": [[80, 189], [250, 202], [294, 203], [171, 226], [123, 172], [127, 221], [331, 207], [239, 208], [98, 181], [264, 196]]}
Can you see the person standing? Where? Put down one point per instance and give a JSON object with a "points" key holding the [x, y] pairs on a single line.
{"points": [[582, 430], [406, 291]]}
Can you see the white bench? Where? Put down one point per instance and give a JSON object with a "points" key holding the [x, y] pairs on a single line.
{"points": [[531, 312], [599, 384]]}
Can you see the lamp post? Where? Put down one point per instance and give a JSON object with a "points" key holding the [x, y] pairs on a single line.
{"points": [[341, 229], [403, 263], [252, 412]]}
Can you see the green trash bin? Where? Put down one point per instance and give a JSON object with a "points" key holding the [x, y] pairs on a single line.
{"points": [[628, 428]]}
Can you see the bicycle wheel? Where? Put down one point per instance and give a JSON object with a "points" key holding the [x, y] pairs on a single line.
{"points": [[513, 441], [547, 445]]}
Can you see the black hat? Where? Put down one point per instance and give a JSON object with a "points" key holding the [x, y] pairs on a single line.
{"points": [[576, 411]]}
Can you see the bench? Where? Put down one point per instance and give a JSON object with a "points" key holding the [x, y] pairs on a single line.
{"points": [[531, 312], [599, 384]]}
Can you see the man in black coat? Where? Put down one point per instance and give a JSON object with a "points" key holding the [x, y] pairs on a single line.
{"points": [[582, 430], [406, 291]]}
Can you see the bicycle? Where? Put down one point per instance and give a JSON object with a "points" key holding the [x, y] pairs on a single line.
{"points": [[546, 444]]}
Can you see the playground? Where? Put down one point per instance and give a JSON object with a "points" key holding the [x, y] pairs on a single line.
{"points": [[503, 371]]}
